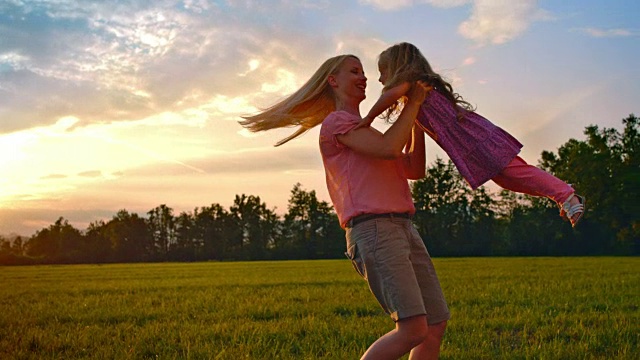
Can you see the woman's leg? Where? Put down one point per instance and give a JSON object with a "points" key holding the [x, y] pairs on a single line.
{"points": [[409, 333], [430, 347], [392, 278]]}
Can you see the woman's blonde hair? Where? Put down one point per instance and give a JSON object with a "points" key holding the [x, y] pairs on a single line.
{"points": [[305, 108], [404, 62]]}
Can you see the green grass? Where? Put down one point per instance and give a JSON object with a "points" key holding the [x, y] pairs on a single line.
{"points": [[502, 308]]}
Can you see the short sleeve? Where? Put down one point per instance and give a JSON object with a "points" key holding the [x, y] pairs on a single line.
{"points": [[338, 123]]}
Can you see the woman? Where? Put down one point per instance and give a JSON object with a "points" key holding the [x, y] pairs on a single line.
{"points": [[367, 176]]}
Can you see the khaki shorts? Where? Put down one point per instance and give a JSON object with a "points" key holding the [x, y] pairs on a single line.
{"points": [[391, 256]]}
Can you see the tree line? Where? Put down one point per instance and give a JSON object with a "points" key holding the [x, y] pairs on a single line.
{"points": [[452, 219]]}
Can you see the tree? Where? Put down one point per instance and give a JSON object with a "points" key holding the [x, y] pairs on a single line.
{"points": [[257, 227], [99, 243], [483, 227], [59, 243], [311, 228], [533, 227], [187, 242], [213, 226], [162, 226], [5, 245], [130, 238], [442, 200], [12, 252], [17, 248], [606, 169]]}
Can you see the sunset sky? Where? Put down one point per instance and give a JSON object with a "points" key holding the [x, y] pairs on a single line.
{"points": [[110, 105]]}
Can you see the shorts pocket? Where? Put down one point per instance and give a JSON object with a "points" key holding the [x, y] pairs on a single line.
{"points": [[356, 260]]}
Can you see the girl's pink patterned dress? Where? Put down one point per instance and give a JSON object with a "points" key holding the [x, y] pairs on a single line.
{"points": [[478, 148]]}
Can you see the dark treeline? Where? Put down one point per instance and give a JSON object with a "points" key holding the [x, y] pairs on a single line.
{"points": [[453, 220]]}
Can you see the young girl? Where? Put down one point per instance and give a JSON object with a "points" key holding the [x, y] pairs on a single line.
{"points": [[480, 150]]}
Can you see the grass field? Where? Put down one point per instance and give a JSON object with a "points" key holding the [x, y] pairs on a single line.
{"points": [[502, 308]]}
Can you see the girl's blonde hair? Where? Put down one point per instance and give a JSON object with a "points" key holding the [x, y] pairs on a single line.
{"points": [[404, 62], [305, 108]]}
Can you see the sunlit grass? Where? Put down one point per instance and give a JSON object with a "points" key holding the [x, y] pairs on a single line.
{"points": [[524, 308]]}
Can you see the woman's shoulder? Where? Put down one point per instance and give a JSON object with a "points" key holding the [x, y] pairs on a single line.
{"points": [[341, 117], [339, 122]]}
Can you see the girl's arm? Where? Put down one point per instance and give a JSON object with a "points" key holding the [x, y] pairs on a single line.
{"points": [[415, 155], [389, 145], [385, 100]]}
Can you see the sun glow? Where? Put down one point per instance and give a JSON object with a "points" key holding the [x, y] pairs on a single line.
{"points": [[49, 161]]}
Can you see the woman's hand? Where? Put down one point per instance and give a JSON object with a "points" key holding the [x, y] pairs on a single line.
{"points": [[418, 92]]}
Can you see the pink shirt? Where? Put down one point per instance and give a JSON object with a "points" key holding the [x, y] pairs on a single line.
{"points": [[360, 184]]}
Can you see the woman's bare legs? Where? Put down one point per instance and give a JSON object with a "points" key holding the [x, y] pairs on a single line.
{"points": [[430, 348], [409, 333]]}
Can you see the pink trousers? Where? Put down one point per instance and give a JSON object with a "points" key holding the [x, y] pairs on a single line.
{"points": [[521, 177]]}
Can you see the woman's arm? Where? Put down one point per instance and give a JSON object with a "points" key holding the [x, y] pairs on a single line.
{"points": [[367, 140], [415, 155]]}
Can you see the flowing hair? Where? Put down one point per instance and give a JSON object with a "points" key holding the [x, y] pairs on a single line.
{"points": [[405, 63], [306, 107]]}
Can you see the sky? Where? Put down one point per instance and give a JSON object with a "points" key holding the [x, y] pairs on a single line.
{"points": [[111, 105]]}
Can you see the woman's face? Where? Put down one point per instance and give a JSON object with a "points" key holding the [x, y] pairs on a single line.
{"points": [[350, 81]]}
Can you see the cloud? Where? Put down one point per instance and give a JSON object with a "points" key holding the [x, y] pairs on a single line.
{"points": [[91, 174], [497, 22], [491, 21], [607, 33], [469, 61], [120, 61], [253, 64], [388, 4], [54, 176], [392, 5]]}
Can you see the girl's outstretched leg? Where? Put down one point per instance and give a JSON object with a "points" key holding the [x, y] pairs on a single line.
{"points": [[521, 177]]}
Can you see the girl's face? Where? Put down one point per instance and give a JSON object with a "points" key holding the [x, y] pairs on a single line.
{"points": [[350, 81], [384, 74]]}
